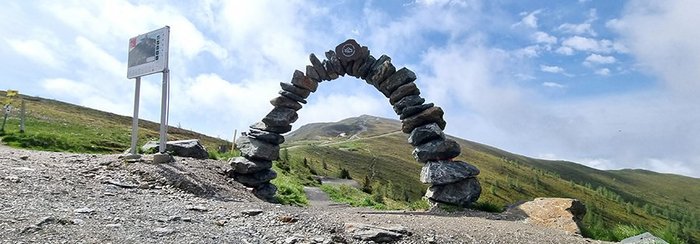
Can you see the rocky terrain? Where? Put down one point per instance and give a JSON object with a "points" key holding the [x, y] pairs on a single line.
{"points": [[78, 198]]}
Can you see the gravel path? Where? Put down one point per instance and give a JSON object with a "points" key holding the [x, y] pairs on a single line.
{"points": [[78, 198]]}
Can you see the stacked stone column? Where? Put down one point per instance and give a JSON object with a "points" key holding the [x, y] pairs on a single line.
{"points": [[452, 182]]}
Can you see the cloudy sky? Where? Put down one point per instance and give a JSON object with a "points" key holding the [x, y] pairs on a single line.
{"points": [[609, 84]]}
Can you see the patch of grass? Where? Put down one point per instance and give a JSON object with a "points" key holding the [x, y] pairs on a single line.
{"points": [[352, 196], [56, 126], [213, 154], [421, 204], [487, 207], [289, 190]]}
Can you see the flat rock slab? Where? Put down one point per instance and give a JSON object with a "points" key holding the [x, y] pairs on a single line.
{"points": [[184, 148], [430, 115], [425, 133], [462, 193], [243, 165], [447, 172], [257, 149], [375, 233], [437, 150], [557, 213]]}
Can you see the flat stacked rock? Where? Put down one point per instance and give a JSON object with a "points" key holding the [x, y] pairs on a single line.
{"points": [[452, 182]]}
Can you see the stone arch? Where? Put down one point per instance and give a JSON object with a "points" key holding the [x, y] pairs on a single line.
{"points": [[451, 181]]}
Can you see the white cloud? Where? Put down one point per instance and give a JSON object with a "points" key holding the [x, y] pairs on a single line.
{"points": [[603, 71], [552, 69], [565, 50], [543, 37], [598, 59], [36, 51], [584, 28], [550, 84], [587, 44], [663, 36], [529, 19]]}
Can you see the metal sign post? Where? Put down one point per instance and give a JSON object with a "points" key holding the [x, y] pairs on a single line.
{"points": [[148, 54], [135, 118], [164, 112]]}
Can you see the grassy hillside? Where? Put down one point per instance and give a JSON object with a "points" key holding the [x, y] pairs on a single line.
{"points": [[58, 126], [667, 205]]}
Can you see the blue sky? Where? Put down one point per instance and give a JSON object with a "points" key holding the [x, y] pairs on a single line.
{"points": [[609, 84]]}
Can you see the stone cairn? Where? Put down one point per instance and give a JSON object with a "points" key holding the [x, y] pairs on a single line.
{"points": [[452, 182]]}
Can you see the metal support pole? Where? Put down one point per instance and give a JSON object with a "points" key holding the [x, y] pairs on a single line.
{"points": [[21, 118], [164, 112], [135, 118]]}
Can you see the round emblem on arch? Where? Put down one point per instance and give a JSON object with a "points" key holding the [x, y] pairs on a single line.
{"points": [[348, 50]]}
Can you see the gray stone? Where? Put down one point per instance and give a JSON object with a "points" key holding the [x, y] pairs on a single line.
{"points": [[183, 148], [275, 129], [24, 157], [364, 69], [446, 172], [257, 149], [330, 70], [425, 133], [407, 101], [360, 61], [84, 210], [266, 192], [285, 102], [644, 238], [255, 179], [462, 193], [197, 208], [266, 136], [383, 72], [403, 91], [300, 80], [312, 73], [252, 212], [335, 63], [437, 150], [413, 110], [400, 77], [318, 66], [373, 68], [280, 116], [162, 231], [430, 115], [243, 165], [294, 89], [292, 96], [347, 66], [374, 233]]}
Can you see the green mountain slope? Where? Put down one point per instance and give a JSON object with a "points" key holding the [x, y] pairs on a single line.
{"points": [[58, 126], [648, 200]]}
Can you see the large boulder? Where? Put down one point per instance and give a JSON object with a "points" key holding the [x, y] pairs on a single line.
{"points": [[446, 172], [255, 179], [257, 149], [243, 165], [437, 150], [183, 148], [462, 193], [557, 213]]}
